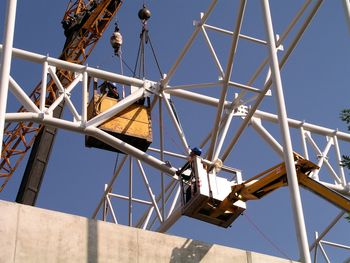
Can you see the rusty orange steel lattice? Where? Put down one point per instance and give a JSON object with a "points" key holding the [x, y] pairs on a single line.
{"points": [[19, 137]]}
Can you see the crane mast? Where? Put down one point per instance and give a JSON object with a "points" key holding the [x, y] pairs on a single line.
{"points": [[84, 24]]}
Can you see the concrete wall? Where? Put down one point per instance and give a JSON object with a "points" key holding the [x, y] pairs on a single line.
{"points": [[29, 234]]}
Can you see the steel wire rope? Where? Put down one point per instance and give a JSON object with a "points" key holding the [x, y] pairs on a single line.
{"points": [[269, 240], [140, 61], [155, 57]]}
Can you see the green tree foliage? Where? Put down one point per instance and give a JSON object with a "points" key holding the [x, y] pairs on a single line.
{"points": [[345, 116]]}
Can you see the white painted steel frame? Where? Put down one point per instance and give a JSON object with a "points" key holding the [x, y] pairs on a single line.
{"points": [[347, 11], [319, 242], [287, 142], [268, 83], [340, 182], [42, 116], [6, 62], [80, 124], [212, 155]]}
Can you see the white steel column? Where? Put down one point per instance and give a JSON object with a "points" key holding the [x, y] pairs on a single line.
{"points": [[347, 11], [256, 124], [329, 227], [130, 189], [227, 77], [6, 62], [287, 144], [161, 140], [188, 44], [177, 125], [149, 189], [43, 86]]}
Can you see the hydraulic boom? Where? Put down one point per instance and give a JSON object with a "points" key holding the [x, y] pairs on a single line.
{"points": [[276, 177], [215, 200]]}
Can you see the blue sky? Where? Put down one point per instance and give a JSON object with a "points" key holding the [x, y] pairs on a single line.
{"points": [[315, 81]]}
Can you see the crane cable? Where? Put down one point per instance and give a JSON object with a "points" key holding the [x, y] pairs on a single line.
{"points": [[145, 38], [144, 15], [122, 70], [269, 240]]}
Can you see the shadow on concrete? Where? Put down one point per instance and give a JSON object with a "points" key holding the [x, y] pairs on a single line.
{"points": [[191, 251], [92, 249]]}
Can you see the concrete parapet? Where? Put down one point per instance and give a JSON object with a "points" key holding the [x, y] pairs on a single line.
{"points": [[29, 234]]}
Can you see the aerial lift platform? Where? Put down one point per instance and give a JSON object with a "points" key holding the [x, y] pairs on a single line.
{"points": [[218, 201], [203, 191]]}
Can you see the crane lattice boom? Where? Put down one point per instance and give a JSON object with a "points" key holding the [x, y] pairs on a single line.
{"points": [[82, 36]]}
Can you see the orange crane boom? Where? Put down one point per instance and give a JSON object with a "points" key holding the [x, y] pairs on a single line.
{"points": [[276, 177], [82, 37]]}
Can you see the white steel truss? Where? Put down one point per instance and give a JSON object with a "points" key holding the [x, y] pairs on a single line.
{"points": [[317, 247], [162, 203]]}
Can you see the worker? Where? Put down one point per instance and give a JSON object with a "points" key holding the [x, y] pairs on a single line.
{"points": [[116, 41], [113, 91], [188, 165], [110, 89]]}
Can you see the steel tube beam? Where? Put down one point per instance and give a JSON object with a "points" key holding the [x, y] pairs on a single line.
{"points": [[347, 11], [130, 189], [146, 215], [268, 83], [150, 192], [335, 245], [127, 198], [303, 141], [227, 32], [307, 126], [105, 207], [61, 89], [43, 86], [110, 184], [181, 156], [85, 99], [27, 103], [169, 193], [128, 149], [285, 34], [112, 210], [223, 128], [212, 52], [111, 112], [210, 101], [339, 159], [99, 134], [170, 221], [175, 201], [6, 63], [227, 77], [97, 73], [188, 44], [329, 227], [267, 137], [287, 144], [177, 126], [161, 140], [191, 86]]}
